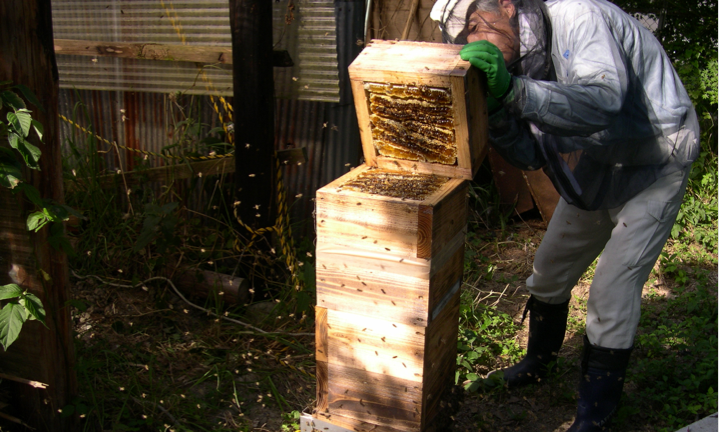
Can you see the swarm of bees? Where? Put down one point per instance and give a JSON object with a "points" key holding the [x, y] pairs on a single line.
{"points": [[412, 122], [396, 184]]}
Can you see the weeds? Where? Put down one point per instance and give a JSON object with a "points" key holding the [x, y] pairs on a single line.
{"points": [[147, 359]]}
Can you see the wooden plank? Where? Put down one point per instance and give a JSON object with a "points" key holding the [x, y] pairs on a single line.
{"points": [[423, 167], [440, 217], [380, 285], [365, 221], [373, 368], [375, 345], [445, 278], [321, 374], [165, 174], [440, 358], [373, 399], [373, 284], [384, 224], [321, 334], [412, 62], [149, 51], [339, 423], [477, 119], [363, 116]]}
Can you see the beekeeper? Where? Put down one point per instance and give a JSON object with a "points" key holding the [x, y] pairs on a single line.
{"points": [[580, 89]]}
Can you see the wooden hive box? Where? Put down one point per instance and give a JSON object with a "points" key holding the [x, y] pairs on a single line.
{"points": [[388, 275], [391, 79], [389, 257]]}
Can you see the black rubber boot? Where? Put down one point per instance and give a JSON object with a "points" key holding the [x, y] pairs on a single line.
{"points": [[601, 384], [547, 332]]}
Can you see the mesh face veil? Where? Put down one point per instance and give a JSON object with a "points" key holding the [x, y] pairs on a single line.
{"points": [[533, 31]]}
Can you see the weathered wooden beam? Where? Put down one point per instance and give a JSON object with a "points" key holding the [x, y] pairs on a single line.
{"points": [[150, 51], [225, 165], [40, 354], [156, 51]]}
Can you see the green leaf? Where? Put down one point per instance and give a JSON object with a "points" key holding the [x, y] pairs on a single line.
{"points": [[38, 128], [10, 291], [34, 307], [11, 99], [30, 154], [36, 220], [12, 318], [21, 121], [14, 139], [10, 174], [29, 95]]}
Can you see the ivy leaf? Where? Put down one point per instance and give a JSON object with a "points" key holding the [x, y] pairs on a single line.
{"points": [[36, 220], [34, 307], [12, 100], [12, 318], [29, 95], [38, 128], [10, 291]]}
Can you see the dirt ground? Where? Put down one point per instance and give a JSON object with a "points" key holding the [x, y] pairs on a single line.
{"points": [[193, 356]]}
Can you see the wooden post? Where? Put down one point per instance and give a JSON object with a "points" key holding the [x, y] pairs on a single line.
{"points": [[41, 354], [251, 26]]}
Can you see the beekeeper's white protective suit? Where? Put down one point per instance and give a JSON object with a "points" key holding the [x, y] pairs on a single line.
{"points": [[616, 132]]}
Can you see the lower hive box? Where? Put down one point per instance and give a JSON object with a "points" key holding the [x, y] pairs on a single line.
{"points": [[381, 375], [389, 263]]}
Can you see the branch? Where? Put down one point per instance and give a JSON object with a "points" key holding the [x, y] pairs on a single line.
{"points": [[208, 311]]}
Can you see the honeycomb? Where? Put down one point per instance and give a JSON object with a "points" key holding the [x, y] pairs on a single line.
{"points": [[396, 184], [412, 122]]}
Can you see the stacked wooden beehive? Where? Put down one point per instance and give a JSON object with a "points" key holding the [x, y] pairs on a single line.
{"points": [[390, 240]]}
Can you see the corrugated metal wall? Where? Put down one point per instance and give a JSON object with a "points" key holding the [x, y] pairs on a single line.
{"points": [[306, 29], [146, 120]]}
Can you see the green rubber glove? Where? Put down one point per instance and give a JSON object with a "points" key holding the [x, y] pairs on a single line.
{"points": [[489, 59]]}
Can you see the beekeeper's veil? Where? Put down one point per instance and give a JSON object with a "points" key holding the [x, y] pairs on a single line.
{"points": [[534, 31]]}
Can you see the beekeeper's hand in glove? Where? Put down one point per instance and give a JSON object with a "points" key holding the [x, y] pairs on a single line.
{"points": [[489, 59]]}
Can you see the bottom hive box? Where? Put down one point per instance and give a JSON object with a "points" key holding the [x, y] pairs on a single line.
{"points": [[381, 375]]}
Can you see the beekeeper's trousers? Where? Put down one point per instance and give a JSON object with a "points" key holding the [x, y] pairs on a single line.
{"points": [[630, 238]]}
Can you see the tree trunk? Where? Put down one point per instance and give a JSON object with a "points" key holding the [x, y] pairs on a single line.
{"points": [[42, 354]]}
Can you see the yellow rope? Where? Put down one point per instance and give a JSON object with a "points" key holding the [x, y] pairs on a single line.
{"points": [[281, 227], [174, 21], [145, 152]]}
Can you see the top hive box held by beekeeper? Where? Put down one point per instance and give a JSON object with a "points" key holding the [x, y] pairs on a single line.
{"points": [[420, 108]]}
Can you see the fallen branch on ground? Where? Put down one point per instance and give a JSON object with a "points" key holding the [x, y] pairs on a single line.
{"points": [[208, 311]]}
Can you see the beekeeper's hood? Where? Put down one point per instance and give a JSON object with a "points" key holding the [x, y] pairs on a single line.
{"points": [[534, 32]]}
